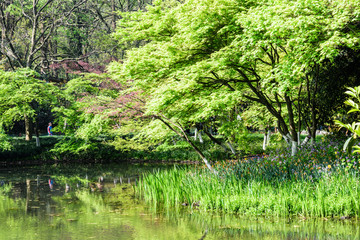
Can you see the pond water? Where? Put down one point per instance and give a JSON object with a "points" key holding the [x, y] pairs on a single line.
{"points": [[83, 202]]}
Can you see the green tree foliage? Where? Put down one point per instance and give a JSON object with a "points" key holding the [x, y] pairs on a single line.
{"points": [[202, 58], [4, 141], [21, 92], [22, 95], [92, 110]]}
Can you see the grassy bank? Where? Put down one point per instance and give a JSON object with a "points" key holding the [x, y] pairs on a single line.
{"points": [[319, 182]]}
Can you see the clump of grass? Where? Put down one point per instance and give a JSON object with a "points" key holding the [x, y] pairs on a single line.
{"points": [[334, 195], [320, 182]]}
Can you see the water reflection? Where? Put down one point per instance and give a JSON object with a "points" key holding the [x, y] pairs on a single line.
{"points": [[101, 205]]}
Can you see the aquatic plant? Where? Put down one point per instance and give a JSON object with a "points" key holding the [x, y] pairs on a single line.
{"points": [[321, 182]]}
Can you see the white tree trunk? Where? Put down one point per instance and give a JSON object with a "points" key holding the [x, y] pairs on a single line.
{"points": [[231, 148], [298, 137], [268, 138], [195, 134], [287, 138], [306, 140], [209, 166], [312, 141], [200, 137], [264, 142], [37, 141], [294, 148]]}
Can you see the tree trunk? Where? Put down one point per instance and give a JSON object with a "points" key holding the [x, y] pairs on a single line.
{"points": [[37, 133], [291, 119], [298, 136], [287, 138], [28, 184], [265, 140], [183, 135], [231, 148], [114, 14], [201, 156], [200, 137], [268, 137], [294, 148], [306, 140], [28, 128], [196, 134], [216, 141]]}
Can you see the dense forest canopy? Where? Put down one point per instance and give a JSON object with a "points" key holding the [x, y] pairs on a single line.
{"points": [[155, 70]]}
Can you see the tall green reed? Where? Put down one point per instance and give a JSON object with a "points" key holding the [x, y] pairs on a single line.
{"points": [[330, 195]]}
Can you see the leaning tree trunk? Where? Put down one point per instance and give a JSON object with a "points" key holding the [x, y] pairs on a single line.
{"points": [[183, 135], [216, 141], [231, 148], [28, 128]]}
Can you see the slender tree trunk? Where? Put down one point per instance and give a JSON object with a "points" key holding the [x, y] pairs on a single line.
{"points": [[299, 116], [183, 135], [28, 128], [268, 137], [294, 148], [287, 138], [216, 141], [202, 156], [298, 136], [264, 142], [37, 133], [28, 181], [294, 140], [231, 148], [113, 12], [306, 140], [313, 132], [196, 134], [200, 137]]}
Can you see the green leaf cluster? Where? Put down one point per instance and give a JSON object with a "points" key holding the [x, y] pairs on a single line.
{"points": [[354, 127], [22, 93]]}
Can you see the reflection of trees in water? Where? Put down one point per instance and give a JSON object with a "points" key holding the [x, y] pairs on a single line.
{"points": [[231, 226], [115, 210]]}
